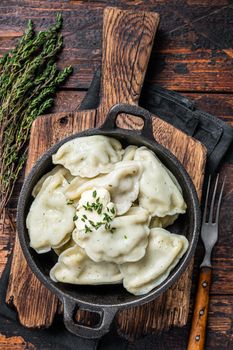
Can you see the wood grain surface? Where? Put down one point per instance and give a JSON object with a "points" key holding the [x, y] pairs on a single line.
{"points": [[127, 41], [189, 55], [192, 52], [200, 314], [16, 343], [219, 327], [173, 306]]}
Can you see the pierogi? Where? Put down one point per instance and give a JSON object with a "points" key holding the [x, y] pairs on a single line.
{"points": [[163, 252], [122, 183], [50, 220], [103, 210], [158, 192], [74, 266], [89, 156]]}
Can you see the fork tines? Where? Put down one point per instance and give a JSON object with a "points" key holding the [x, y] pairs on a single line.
{"points": [[210, 220]]}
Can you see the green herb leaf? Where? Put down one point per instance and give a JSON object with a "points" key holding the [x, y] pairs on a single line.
{"points": [[107, 227], [99, 210], [75, 217], [87, 229], [29, 78], [107, 217], [92, 223], [98, 224]]}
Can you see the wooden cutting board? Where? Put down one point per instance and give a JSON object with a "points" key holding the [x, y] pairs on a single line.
{"points": [[127, 41]]}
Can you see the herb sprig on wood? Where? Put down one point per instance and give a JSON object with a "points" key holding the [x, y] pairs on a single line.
{"points": [[29, 78]]}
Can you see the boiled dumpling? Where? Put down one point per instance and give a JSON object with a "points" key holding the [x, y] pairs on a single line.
{"points": [[89, 156], [102, 209], [77, 182], [125, 240], [66, 245], [56, 170], [129, 153], [75, 267], [122, 184], [50, 218], [158, 193], [174, 179], [164, 221], [162, 254]]}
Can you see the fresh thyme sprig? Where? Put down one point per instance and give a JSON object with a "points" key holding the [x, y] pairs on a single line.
{"points": [[28, 81]]}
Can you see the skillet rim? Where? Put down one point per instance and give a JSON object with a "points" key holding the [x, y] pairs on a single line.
{"points": [[174, 275]]}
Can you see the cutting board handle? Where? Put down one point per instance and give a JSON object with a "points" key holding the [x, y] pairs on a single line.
{"points": [[127, 42]]}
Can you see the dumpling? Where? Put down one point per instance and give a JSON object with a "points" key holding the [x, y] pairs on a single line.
{"points": [[164, 221], [74, 185], [158, 192], [75, 267], [50, 218], [122, 184], [125, 240], [89, 156], [129, 153], [66, 245], [56, 170], [163, 252]]}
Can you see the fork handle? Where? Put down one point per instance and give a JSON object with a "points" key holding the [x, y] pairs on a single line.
{"points": [[199, 321]]}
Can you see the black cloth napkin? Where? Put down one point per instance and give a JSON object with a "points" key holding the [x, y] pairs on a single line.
{"points": [[178, 111], [181, 112]]}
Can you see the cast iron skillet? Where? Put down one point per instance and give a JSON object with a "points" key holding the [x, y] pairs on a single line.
{"points": [[108, 299]]}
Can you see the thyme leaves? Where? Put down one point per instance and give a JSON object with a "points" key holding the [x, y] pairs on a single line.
{"points": [[97, 206], [29, 78]]}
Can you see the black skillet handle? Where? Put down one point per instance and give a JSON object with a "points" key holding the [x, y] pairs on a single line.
{"points": [[110, 121], [106, 317]]}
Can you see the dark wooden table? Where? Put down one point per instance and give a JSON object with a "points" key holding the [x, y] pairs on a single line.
{"points": [[193, 54]]}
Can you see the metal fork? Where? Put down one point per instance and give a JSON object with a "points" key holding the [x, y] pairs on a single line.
{"points": [[209, 235]]}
